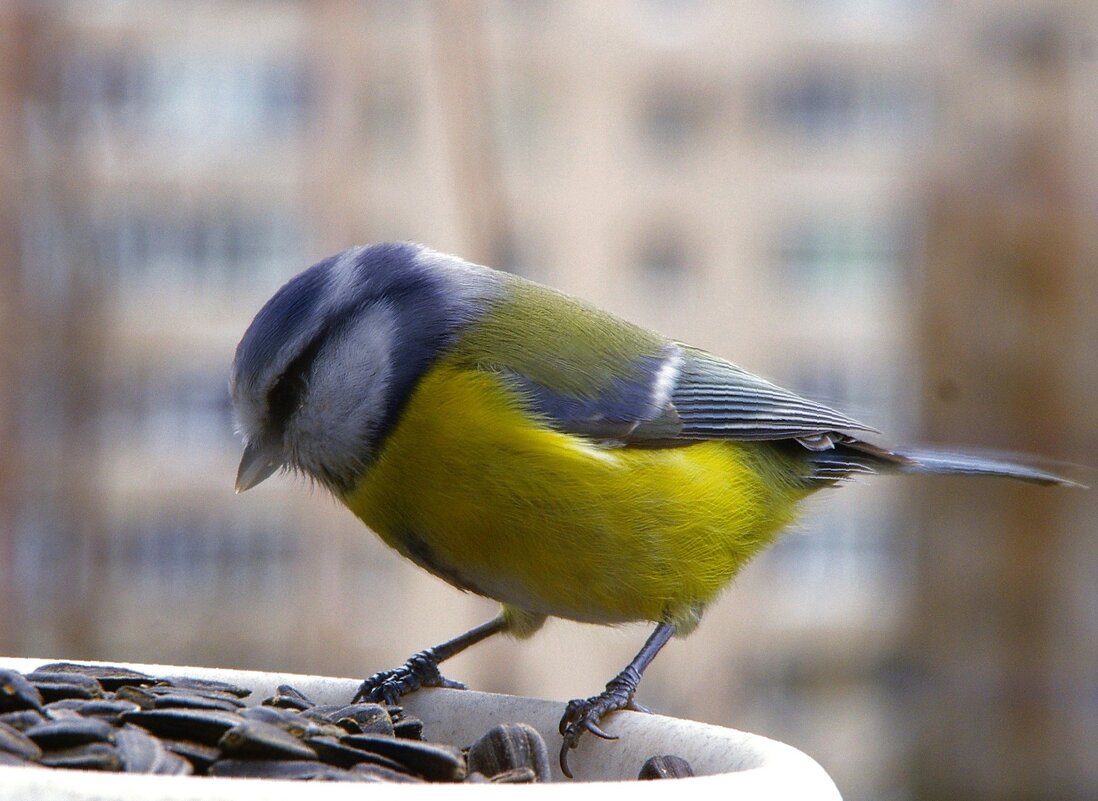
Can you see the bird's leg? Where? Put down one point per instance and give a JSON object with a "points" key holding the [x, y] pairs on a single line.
{"points": [[421, 669], [585, 714]]}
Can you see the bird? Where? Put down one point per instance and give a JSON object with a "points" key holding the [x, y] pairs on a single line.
{"points": [[529, 447]]}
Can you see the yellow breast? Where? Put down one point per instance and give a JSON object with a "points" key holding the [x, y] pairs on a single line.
{"points": [[471, 487]]}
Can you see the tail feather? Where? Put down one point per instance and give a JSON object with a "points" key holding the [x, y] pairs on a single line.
{"points": [[927, 460], [854, 456]]}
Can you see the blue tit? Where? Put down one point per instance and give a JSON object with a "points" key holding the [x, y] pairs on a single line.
{"points": [[528, 447]]}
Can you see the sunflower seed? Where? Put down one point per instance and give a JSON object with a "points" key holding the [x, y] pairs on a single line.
{"points": [[280, 769], [408, 729], [198, 755], [379, 773], [55, 686], [440, 763], [174, 700], [665, 766], [22, 719], [286, 719], [255, 739], [289, 698], [364, 718], [136, 695], [322, 713], [17, 693], [508, 747], [89, 756], [16, 743], [68, 732], [109, 710], [12, 761], [335, 752], [109, 677], [202, 685], [201, 725], [143, 753], [515, 776]]}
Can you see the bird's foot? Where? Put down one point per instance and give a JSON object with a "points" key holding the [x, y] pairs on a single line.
{"points": [[421, 670], [585, 714]]}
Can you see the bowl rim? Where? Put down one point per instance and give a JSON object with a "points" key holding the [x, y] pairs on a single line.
{"points": [[725, 760]]}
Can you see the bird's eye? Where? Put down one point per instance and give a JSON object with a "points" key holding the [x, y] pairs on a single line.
{"points": [[282, 400], [285, 395]]}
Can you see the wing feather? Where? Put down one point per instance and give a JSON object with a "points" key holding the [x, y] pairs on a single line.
{"points": [[716, 399], [682, 395]]}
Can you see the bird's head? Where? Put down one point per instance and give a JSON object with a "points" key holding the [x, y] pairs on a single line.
{"points": [[324, 368]]}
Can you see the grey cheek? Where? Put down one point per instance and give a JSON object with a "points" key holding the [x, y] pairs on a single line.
{"points": [[345, 402]]}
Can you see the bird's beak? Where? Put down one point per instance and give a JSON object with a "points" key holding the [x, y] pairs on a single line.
{"points": [[259, 461]]}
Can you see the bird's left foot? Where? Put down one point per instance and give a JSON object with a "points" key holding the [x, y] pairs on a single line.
{"points": [[586, 714], [421, 670]]}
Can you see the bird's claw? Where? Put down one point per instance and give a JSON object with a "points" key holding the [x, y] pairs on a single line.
{"points": [[388, 686], [585, 714]]}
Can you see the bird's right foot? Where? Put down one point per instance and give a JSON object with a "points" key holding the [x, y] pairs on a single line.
{"points": [[388, 686]]}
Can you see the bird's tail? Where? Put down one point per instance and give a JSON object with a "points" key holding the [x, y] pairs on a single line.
{"points": [[853, 456]]}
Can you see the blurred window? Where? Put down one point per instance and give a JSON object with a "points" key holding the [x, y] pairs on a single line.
{"points": [[516, 254], [94, 83], [671, 120], [212, 97], [839, 255], [154, 551], [826, 102], [176, 551], [522, 117], [838, 564], [184, 96], [1029, 38], [845, 555], [872, 383], [531, 14], [395, 13], [670, 23], [197, 248], [858, 382], [663, 255], [283, 96], [168, 413], [389, 118], [863, 16]]}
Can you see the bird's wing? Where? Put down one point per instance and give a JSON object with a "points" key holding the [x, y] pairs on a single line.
{"points": [[590, 373], [679, 395], [715, 399]]}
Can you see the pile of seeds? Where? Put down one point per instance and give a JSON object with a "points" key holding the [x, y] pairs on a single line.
{"points": [[94, 717]]}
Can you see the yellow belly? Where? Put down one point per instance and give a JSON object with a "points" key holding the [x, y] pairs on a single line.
{"points": [[473, 489]]}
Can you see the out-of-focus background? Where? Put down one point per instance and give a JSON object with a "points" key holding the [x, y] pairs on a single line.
{"points": [[890, 205]]}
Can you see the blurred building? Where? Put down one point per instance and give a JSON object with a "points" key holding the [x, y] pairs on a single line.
{"points": [[751, 178], [1003, 629]]}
